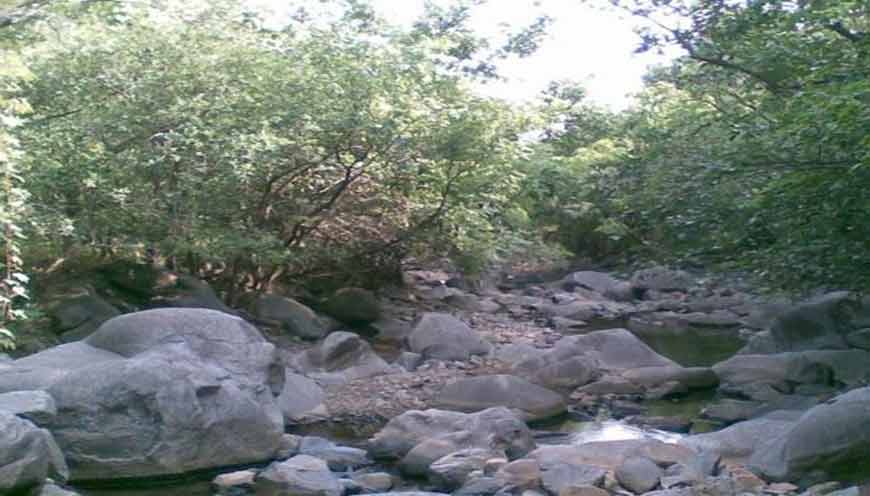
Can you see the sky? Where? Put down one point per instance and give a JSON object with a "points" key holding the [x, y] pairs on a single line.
{"points": [[588, 42]]}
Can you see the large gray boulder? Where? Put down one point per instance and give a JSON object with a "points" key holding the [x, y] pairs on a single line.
{"points": [[160, 392], [494, 428], [28, 455], [302, 475], [41, 370], [479, 393], [288, 314], [784, 372], [739, 441], [35, 406], [443, 330], [614, 349], [614, 357], [828, 440], [819, 323], [339, 358]]}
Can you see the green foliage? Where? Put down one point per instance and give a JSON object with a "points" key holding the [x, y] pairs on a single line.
{"points": [[299, 152], [751, 150], [13, 198]]}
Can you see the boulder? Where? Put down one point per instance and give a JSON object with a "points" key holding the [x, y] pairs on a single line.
{"points": [[583, 490], [584, 310], [662, 279], [494, 428], [35, 406], [389, 330], [290, 315], [438, 329], [301, 475], [556, 478], [569, 373], [41, 370], [409, 360], [523, 473], [614, 349], [301, 398], [374, 482], [609, 455], [28, 455], [729, 411], [338, 458], [353, 306], [339, 358], [77, 317], [743, 373], [480, 486], [611, 361], [184, 291], [638, 474], [160, 392], [479, 393], [452, 471], [831, 438], [598, 282], [819, 323], [739, 441], [515, 353]]}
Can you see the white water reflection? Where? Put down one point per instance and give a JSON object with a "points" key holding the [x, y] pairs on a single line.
{"points": [[614, 430]]}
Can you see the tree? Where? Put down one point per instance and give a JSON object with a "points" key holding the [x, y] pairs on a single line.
{"points": [[311, 151]]}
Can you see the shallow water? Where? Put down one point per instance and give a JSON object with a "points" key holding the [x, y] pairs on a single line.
{"points": [[613, 430], [202, 488], [693, 348]]}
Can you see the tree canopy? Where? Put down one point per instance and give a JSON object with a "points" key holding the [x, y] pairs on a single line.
{"points": [[333, 145]]}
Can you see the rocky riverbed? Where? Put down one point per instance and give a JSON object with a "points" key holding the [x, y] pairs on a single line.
{"points": [[658, 382]]}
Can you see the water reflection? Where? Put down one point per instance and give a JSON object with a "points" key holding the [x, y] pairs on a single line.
{"points": [[613, 430], [201, 488]]}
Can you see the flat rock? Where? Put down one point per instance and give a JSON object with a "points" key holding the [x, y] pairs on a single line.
{"points": [[301, 475], [479, 393]]}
